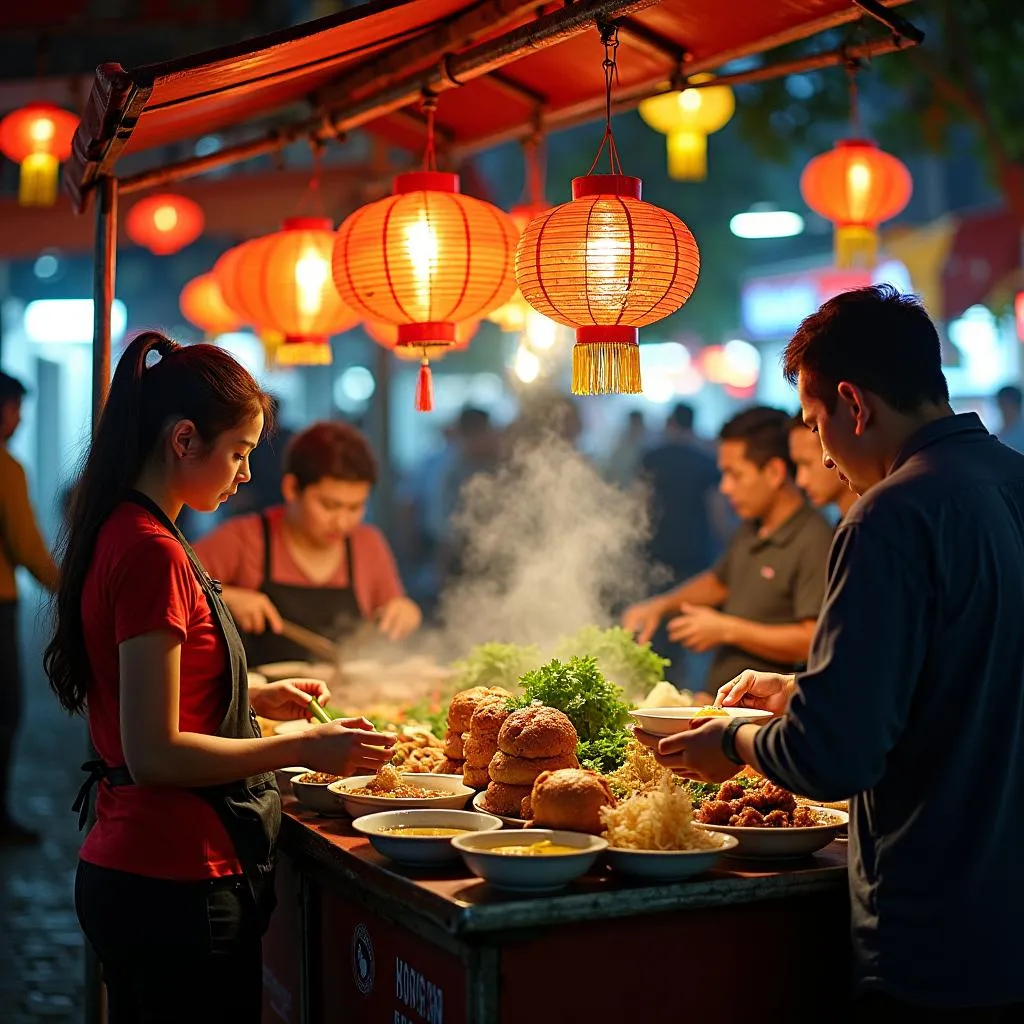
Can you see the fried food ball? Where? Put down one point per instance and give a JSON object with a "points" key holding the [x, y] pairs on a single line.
{"points": [[453, 746], [570, 798], [474, 777], [449, 766], [804, 817], [537, 731], [749, 817], [777, 819], [478, 750], [731, 790], [489, 717], [769, 797], [465, 702], [526, 809], [715, 812], [505, 800], [521, 771]]}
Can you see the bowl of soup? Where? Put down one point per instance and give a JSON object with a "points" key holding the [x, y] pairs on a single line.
{"points": [[418, 837], [529, 860], [670, 720]]}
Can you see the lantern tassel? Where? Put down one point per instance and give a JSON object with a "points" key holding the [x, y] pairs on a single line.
{"points": [[606, 369], [425, 388], [303, 353], [37, 185], [856, 246], [688, 156]]}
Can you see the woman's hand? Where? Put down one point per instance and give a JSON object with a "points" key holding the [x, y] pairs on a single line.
{"points": [[287, 698], [767, 691], [347, 746], [252, 610], [399, 617]]}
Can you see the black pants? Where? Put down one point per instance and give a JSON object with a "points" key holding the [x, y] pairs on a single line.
{"points": [[173, 952], [877, 1008], [10, 699]]}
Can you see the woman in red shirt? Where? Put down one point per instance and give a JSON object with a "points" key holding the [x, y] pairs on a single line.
{"points": [[312, 560], [174, 883]]}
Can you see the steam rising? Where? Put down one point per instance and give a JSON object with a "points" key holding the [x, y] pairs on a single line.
{"points": [[548, 547]]}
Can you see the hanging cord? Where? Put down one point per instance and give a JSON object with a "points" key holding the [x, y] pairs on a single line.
{"points": [[610, 38], [311, 202], [852, 67], [428, 104], [535, 156]]}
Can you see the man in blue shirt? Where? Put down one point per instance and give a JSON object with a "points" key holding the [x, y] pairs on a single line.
{"points": [[912, 703]]}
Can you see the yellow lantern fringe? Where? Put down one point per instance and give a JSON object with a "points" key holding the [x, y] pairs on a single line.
{"points": [[303, 353], [856, 246], [37, 185], [687, 156], [606, 369]]}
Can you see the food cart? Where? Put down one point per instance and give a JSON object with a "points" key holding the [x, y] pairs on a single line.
{"points": [[442, 947]]}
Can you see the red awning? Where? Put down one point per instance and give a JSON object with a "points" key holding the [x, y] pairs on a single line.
{"points": [[130, 111], [985, 252]]}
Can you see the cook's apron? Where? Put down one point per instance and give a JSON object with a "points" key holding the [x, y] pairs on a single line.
{"points": [[332, 612], [250, 809]]}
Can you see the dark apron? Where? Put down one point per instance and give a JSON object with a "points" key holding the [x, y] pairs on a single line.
{"points": [[250, 809], [332, 612]]}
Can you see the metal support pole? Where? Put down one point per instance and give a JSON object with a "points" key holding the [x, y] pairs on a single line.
{"points": [[104, 270]]}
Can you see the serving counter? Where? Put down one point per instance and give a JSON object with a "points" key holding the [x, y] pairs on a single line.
{"points": [[358, 939]]}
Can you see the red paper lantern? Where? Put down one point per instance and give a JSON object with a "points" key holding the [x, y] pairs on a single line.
{"points": [[606, 264], [857, 186], [38, 138], [386, 335], [202, 304], [165, 223], [425, 259], [282, 282]]}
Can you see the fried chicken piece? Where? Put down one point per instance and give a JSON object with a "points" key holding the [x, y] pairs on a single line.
{"points": [[769, 797], [731, 790], [714, 812], [804, 817], [749, 817], [776, 819]]}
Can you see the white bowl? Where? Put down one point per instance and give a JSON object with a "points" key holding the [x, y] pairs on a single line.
{"points": [[317, 796], [668, 865], [775, 843], [451, 794], [284, 777], [528, 874], [478, 803], [669, 721], [421, 849]]}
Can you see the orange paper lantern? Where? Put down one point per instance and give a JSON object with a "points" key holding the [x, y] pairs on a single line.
{"points": [[857, 186], [282, 282], [606, 264], [386, 335], [425, 259], [38, 139], [165, 223], [202, 304]]}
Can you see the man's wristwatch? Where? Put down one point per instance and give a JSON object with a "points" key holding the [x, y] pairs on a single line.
{"points": [[729, 740]]}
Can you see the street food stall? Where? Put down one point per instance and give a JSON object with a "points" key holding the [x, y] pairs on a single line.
{"points": [[356, 936]]}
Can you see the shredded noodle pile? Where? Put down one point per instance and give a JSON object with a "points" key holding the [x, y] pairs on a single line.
{"points": [[639, 772], [660, 818]]}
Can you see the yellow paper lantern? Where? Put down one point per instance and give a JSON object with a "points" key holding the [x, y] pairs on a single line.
{"points": [[688, 117]]}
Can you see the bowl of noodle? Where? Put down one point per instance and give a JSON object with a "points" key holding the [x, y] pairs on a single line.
{"points": [[652, 835]]}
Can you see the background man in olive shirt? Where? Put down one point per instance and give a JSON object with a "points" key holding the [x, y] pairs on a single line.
{"points": [[912, 703], [817, 477], [757, 605], [20, 544]]}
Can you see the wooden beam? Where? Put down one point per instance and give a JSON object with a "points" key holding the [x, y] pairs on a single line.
{"points": [[643, 38]]}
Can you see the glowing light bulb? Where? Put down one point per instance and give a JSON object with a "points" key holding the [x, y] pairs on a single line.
{"points": [[690, 100], [42, 130], [541, 333], [165, 218], [311, 273], [608, 258], [858, 187], [421, 245], [526, 365]]}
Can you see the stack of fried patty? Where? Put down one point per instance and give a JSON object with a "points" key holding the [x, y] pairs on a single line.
{"points": [[460, 714]]}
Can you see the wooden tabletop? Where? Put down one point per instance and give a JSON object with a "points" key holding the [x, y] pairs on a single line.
{"points": [[459, 902]]}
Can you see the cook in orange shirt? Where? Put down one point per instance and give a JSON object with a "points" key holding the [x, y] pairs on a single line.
{"points": [[311, 561]]}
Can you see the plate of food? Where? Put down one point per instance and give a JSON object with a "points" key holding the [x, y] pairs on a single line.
{"points": [[531, 861], [419, 836], [480, 804], [669, 720], [392, 789], [652, 835], [313, 791], [766, 820]]}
